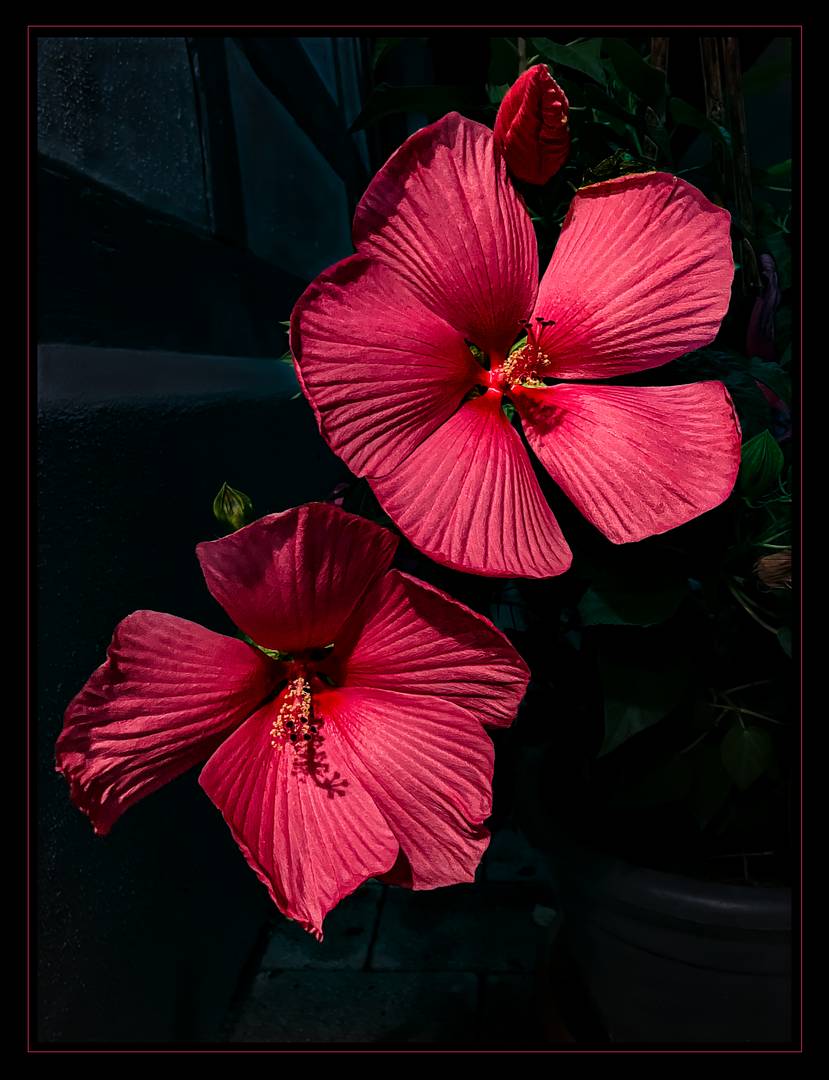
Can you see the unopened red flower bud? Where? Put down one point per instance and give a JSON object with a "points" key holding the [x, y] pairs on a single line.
{"points": [[531, 129]]}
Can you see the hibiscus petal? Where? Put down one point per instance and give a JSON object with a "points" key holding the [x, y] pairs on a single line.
{"points": [[307, 828], [168, 692], [381, 370], [468, 498], [427, 764], [291, 580], [641, 274], [444, 215], [414, 639], [636, 460]]}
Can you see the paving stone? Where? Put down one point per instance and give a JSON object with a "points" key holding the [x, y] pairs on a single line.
{"points": [[348, 931], [359, 1007], [511, 858], [481, 927], [510, 1011]]}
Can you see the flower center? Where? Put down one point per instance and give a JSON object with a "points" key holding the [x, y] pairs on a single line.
{"points": [[295, 724], [529, 362]]}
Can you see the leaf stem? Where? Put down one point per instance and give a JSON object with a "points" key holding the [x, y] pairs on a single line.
{"points": [[750, 712], [746, 686], [742, 601]]}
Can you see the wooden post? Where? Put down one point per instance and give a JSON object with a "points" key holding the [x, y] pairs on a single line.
{"points": [[724, 106], [741, 163], [659, 53]]}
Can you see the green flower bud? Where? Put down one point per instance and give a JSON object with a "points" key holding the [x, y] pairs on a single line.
{"points": [[232, 508]]}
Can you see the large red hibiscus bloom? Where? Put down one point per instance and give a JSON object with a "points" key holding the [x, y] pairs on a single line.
{"points": [[446, 257], [348, 744]]}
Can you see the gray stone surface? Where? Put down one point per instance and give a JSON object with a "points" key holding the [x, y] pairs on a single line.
{"points": [[511, 858], [122, 110], [509, 1010], [359, 1007], [482, 927], [295, 204], [348, 934]]}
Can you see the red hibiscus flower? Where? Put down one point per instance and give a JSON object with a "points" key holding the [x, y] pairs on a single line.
{"points": [[446, 257], [531, 126], [350, 744]]}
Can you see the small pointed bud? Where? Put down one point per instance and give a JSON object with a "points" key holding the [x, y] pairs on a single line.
{"points": [[232, 508], [531, 128]]}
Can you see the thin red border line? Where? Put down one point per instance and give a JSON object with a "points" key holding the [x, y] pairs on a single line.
{"points": [[412, 26], [28, 539], [365, 1049], [34, 26], [800, 658]]}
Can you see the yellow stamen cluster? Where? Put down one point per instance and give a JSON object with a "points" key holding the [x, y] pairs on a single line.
{"points": [[528, 362], [294, 725]]}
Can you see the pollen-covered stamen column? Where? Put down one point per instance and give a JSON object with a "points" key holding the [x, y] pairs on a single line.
{"points": [[529, 361], [294, 724]]}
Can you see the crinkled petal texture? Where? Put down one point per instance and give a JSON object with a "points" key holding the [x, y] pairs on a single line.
{"points": [[414, 639], [531, 126], [308, 828], [291, 580], [636, 461], [427, 765], [468, 498], [398, 778], [382, 371], [641, 275], [443, 214], [167, 694]]}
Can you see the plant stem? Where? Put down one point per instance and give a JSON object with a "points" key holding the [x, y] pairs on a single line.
{"points": [[746, 686], [742, 601], [522, 55], [750, 712]]}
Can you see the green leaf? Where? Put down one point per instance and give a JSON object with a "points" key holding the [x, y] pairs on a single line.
{"points": [[598, 99], [636, 698], [761, 463], [783, 169], [747, 753], [431, 101], [772, 376], [784, 636], [619, 606], [783, 328], [578, 57], [670, 782], [778, 246], [508, 609], [776, 177], [618, 163], [384, 45], [497, 92], [761, 77], [711, 787], [683, 113], [503, 62], [641, 78]]}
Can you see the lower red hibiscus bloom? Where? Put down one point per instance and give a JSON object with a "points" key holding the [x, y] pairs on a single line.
{"points": [[349, 744], [447, 257]]}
